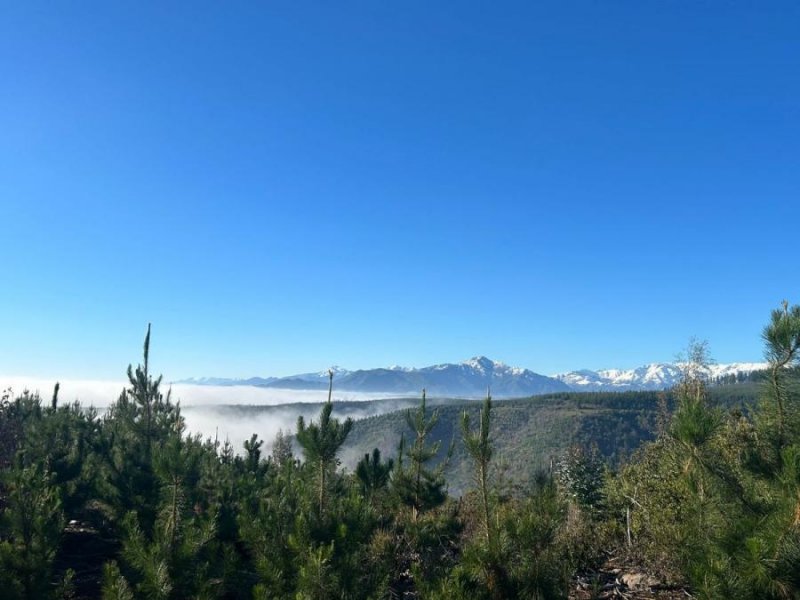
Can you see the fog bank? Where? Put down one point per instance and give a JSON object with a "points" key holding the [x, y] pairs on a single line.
{"points": [[230, 413], [102, 393]]}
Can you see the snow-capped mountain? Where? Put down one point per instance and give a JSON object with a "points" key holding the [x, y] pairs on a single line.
{"points": [[317, 380], [655, 376], [321, 376], [470, 378], [473, 377]]}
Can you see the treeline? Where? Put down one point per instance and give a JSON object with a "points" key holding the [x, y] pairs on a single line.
{"points": [[129, 506], [759, 376]]}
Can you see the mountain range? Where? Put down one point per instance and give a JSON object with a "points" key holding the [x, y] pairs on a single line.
{"points": [[652, 377], [472, 378]]}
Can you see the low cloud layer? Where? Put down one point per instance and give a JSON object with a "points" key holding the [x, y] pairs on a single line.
{"points": [[102, 393], [212, 411]]}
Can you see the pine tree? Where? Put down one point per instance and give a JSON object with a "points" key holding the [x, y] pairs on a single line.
{"points": [[30, 532], [782, 338], [372, 473], [416, 485], [321, 442], [695, 422], [581, 475], [479, 447], [133, 427], [486, 557], [282, 454], [252, 448], [181, 557]]}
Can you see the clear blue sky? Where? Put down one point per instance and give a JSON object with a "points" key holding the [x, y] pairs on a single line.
{"points": [[283, 186]]}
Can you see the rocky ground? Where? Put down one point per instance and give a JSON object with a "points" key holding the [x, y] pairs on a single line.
{"points": [[615, 579]]}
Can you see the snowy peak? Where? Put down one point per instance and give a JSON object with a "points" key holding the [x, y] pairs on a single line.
{"points": [[655, 376], [470, 378], [481, 364], [319, 376], [716, 371]]}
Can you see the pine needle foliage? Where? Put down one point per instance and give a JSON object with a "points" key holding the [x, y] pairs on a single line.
{"points": [[713, 503], [321, 442], [479, 447], [717, 500], [782, 339], [418, 486], [372, 473], [30, 532], [134, 427]]}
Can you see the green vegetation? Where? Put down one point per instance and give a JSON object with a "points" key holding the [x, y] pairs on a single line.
{"points": [[699, 487], [529, 435]]}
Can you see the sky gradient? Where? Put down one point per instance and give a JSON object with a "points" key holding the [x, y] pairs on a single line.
{"points": [[279, 187]]}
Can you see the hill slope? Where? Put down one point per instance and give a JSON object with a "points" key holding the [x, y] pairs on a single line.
{"points": [[527, 433], [530, 433]]}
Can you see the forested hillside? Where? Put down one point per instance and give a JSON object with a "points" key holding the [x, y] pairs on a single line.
{"points": [[127, 506], [529, 434]]}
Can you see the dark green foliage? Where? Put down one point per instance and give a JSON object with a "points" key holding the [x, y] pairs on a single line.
{"points": [[532, 556], [134, 427], [30, 530], [321, 442], [582, 474], [50, 469], [66, 438], [780, 414], [522, 547], [252, 457], [179, 558], [528, 434], [417, 485], [716, 500], [485, 556], [157, 487], [372, 473], [479, 447], [711, 499], [267, 522]]}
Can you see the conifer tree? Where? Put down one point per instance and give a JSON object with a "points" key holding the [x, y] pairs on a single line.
{"points": [[30, 532], [782, 338], [416, 485], [321, 442], [580, 473], [721, 494], [282, 449], [252, 448], [479, 447], [372, 473], [167, 517], [139, 421], [695, 422], [486, 557]]}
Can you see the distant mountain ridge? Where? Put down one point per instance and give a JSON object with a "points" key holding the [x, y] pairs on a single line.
{"points": [[257, 381], [473, 377], [652, 377]]}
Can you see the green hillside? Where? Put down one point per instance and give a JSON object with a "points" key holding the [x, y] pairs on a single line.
{"points": [[529, 433], [127, 505]]}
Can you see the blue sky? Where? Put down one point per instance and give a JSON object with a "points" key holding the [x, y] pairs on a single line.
{"points": [[283, 186]]}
